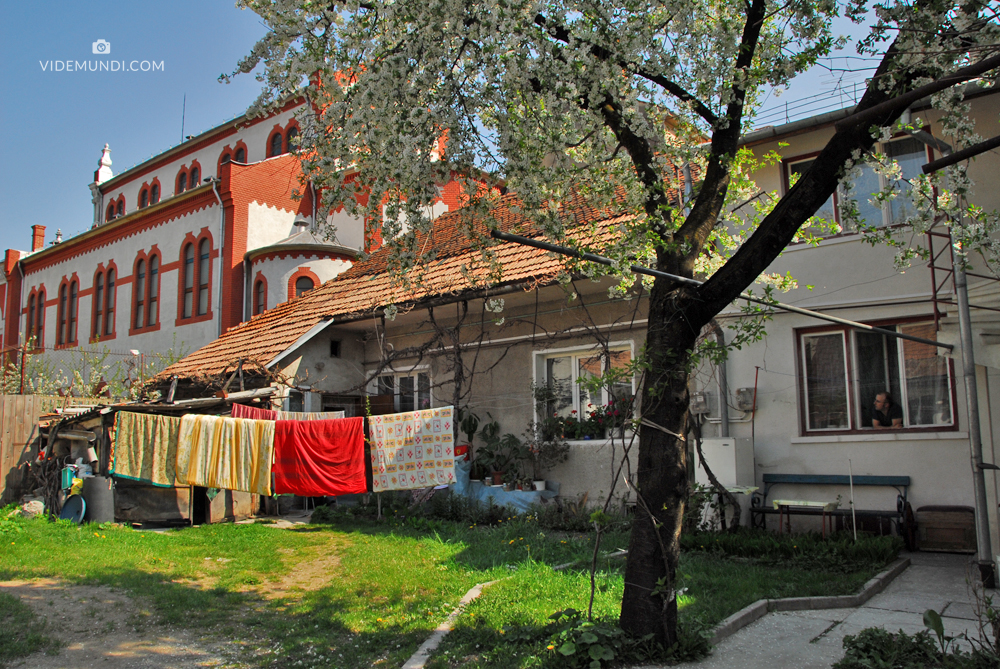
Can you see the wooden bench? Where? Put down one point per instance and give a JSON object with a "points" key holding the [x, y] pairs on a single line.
{"points": [[901, 517]]}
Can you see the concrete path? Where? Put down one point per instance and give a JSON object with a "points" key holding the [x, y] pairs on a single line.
{"points": [[814, 639]]}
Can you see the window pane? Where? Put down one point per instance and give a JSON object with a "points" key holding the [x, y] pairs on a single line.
{"points": [[386, 385], [189, 266], [588, 368], [826, 382], [423, 391], [182, 183], [40, 320], [866, 185], [911, 154], [406, 399], [195, 177], [560, 378], [154, 194], [109, 316], [928, 383], [621, 388], [877, 370], [31, 316], [241, 156], [302, 285]]}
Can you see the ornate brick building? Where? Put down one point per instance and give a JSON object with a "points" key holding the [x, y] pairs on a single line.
{"points": [[182, 247]]}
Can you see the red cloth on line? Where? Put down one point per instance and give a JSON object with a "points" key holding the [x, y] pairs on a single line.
{"points": [[313, 458], [255, 413]]}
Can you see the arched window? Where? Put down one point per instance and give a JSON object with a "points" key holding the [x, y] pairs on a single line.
{"points": [[153, 299], [74, 299], [96, 322], [276, 143], [31, 318], [154, 193], [204, 253], [187, 281], [303, 284], [259, 297], [226, 158], [121, 208], [111, 212], [144, 198], [40, 319], [240, 156], [293, 132], [63, 298], [139, 290], [195, 176], [182, 182], [109, 303]]}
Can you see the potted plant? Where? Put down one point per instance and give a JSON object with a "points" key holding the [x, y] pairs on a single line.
{"points": [[545, 450], [500, 455], [468, 423]]}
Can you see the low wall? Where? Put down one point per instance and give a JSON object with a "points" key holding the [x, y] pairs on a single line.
{"points": [[590, 468]]}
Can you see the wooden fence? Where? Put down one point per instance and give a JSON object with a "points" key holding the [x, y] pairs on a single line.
{"points": [[18, 430]]}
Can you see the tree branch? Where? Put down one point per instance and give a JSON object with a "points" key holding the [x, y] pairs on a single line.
{"points": [[712, 195], [562, 34]]}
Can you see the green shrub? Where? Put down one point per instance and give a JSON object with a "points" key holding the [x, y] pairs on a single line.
{"points": [[576, 642], [875, 648], [838, 552]]}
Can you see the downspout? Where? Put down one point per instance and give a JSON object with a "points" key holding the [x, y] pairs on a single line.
{"points": [[984, 556], [720, 337], [222, 246], [20, 304], [247, 289]]}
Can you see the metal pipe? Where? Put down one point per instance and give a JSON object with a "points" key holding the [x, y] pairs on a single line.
{"points": [[222, 246], [984, 546], [639, 269]]}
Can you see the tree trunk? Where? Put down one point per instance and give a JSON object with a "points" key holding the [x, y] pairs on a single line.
{"points": [[649, 605]]}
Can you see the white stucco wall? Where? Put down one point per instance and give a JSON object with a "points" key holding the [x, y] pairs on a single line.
{"points": [[267, 225], [277, 272], [167, 238]]}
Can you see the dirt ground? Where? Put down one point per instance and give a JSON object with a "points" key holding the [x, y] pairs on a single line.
{"points": [[103, 628]]}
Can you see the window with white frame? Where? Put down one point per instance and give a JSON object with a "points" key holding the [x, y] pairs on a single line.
{"points": [[565, 373], [842, 370], [908, 152], [411, 391]]}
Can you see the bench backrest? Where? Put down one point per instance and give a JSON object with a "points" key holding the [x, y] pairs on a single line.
{"points": [[836, 479]]}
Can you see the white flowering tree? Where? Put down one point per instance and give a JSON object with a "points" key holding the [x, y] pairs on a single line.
{"points": [[610, 102]]}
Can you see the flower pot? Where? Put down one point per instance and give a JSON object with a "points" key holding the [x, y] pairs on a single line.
{"points": [[508, 487], [539, 485], [497, 478]]}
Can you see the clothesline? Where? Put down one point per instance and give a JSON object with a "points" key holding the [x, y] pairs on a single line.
{"points": [[263, 451]]}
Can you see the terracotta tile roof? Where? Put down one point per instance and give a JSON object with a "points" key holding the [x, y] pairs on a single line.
{"points": [[457, 267]]}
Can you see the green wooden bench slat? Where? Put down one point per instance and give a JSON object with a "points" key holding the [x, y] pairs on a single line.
{"points": [[836, 479]]}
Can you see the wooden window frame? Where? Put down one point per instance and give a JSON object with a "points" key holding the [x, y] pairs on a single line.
{"points": [[850, 346], [197, 281]]}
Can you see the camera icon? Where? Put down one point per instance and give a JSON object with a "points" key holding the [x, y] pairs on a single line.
{"points": [[101, 46]]}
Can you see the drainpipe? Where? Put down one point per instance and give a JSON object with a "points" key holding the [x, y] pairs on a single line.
{"points": [[720, 338], [222, 246], [984, 553]]}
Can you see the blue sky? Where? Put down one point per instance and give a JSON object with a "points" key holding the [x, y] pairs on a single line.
{"points": [[55, 123]]}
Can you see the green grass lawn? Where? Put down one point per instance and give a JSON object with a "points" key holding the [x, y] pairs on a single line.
{"points": [[361, 593]]}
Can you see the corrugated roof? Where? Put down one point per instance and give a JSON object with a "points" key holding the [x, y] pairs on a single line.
{"points": [[367, 286]]}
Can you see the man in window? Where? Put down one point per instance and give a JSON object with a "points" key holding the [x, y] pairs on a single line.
{"points": [[887, 415]]}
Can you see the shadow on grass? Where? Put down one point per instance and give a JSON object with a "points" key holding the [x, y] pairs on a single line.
{"points": [[303, 632]]}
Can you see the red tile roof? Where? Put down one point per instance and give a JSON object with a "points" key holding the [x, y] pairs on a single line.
{"points": [[457, 267]]}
